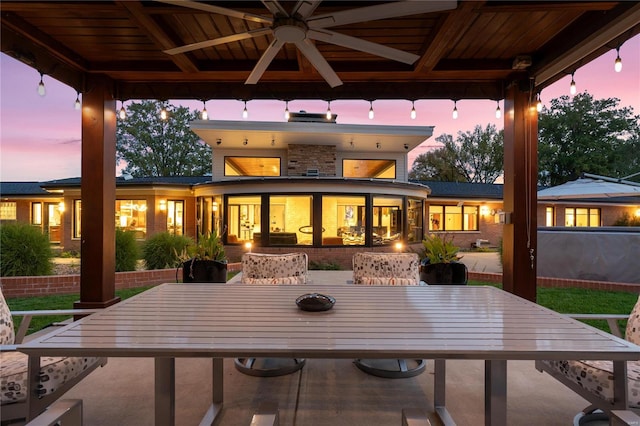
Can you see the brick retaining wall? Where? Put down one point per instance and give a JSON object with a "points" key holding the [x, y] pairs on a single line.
{"points": [[70, 284]]}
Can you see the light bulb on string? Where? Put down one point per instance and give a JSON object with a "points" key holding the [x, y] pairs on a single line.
{"points": [[123, 112], [538, 103], [205, 114], [329, 114], [163, 112], [455, 110], [286, 111], [498, 112], [41, 89], [77, 105], [617, 66], [371, 115], [245, 112], [413, 110], [572, 87]]}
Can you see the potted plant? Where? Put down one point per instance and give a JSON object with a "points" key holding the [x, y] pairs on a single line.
{"points": [[440, 261], [205, 260]]}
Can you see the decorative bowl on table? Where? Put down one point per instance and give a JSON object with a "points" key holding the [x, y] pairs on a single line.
{"points": [[315, 302]]}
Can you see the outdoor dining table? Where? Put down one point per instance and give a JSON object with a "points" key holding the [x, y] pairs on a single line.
{"points": [[420, 322]]}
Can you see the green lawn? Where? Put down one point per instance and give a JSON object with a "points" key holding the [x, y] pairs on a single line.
{"points": [[565, 300]]}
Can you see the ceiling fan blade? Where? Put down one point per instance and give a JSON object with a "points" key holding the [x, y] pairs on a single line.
{"points": [[220, 10], [380, 11], [310, 51], [363, 46], [274, 7], [218, 41], [264, 61], [304, 8]]}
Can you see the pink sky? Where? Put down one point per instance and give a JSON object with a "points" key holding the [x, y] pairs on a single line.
{"points": [[40, 136]]}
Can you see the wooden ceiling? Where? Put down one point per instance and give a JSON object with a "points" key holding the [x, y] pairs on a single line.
{"points": [[467, 52]]}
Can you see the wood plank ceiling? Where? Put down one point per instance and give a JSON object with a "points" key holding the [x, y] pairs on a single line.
{"points": [[466, 52]]}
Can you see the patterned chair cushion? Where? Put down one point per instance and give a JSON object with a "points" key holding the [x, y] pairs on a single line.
{"points": [[597, 377], [386, 268], [54, 372], [7, 334], [259, 268]]}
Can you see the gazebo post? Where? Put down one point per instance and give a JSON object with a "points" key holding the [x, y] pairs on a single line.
{"points": [[98, 189], [519, 243]]}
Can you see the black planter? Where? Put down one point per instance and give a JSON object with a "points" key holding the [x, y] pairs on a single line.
{"points": [[204, 271], [444, 273]]}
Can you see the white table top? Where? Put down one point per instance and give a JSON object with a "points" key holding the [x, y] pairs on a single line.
{"points": [[221, 320]]}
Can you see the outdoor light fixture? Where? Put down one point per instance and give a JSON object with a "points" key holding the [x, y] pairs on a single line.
{"points": [[484, 210], [329, 115], [398, 246], [77, 105], [248, 246], [61, 207], [378, 145], [370, 110], [286, 111], [162, 205], [245, 142], [245, 112], [205, 114], [273, 142], [572, 88], [618, 64], [455, 110], [498, 112], [41, 89], [214, 206], [406, 146], [413, 110], [123, 112], [538, 103]]}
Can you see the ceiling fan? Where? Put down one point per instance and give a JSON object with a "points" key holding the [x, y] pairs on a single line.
{"points": [[300, 27]]}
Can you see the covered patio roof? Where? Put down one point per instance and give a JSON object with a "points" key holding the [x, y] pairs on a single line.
{"points": [[309, 49]]}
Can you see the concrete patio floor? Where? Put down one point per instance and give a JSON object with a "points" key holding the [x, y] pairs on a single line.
{"points": [[324, 392]]}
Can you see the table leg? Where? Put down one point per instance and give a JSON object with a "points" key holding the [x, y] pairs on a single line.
{"points": [[439, 391], [165, 391], [217, 377], [620, 399], [495, 392]]}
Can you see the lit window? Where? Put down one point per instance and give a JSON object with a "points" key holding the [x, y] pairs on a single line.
{"points": [[373, 169], [453, 218], [290, 220], [387, 220], [36, 213], [131, 215], [175, 217], [549, 216], [8, 210], [251, 166], [585, 217], [414, 217], [243, 214], [343, 220], [77, 218]]}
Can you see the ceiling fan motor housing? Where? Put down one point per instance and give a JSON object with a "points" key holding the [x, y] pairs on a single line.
{"points": [[289, 30]]}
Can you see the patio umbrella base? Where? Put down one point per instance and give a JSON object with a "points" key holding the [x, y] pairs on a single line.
{"points": [[392, 368], [268, 367]]}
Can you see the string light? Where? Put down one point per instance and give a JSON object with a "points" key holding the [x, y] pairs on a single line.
{"points": [[41, 89], [498, 112], [77, 105], [163, 112], [371, 110], [329, 114], [286, 111], [455, 110], [572, 87], [123, 112], [413, 110], [618, 64], [245, 112], [205, 114], [538, 103]]}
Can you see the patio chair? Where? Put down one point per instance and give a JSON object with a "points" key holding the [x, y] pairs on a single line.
{"points": [[593, 380], [388, 269], [57, 374], [272, 269]]}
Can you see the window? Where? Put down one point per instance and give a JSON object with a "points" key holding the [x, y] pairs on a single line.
{"points": [[290, 220], [77, 216], [36, 213], [175, 217], [251, 166], [243, 217], [414, 218], [375, 169], [8, 210], [582, 217], [387, 220], [549, 217], [453, 218], [343, 220]]}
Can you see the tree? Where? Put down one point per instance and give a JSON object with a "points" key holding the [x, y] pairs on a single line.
{"points": [[586, 135], [475, 156], [151, 146]]}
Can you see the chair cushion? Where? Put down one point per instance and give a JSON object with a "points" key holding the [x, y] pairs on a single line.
{"points": [[597, 377], [54, 372], [280, 280], [632, 332], [403, 267], [7, 334], [386, 281]]}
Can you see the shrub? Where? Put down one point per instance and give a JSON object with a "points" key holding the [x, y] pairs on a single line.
{"points": [[162, 250], [126, 251], [325, 266], [626, 220], [26, 251]]}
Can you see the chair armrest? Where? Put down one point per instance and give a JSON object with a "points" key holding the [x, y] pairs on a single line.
{"points": [[28, 315], [612, 320], [8, 348]]}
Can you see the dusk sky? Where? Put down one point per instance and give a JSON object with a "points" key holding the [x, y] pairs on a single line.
{"points": [[40, 136]]}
